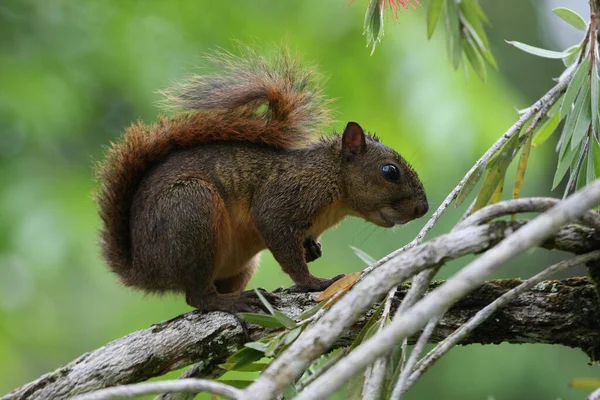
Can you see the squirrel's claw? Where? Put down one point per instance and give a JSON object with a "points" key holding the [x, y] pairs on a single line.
{"points": [[315, 284]]}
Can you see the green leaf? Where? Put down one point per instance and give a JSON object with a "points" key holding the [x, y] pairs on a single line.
{"points": [[596, 156], [574, 86], [573, 54], [469, 185], [571, 17], [433, 15], [555, 107], [496, 173], [475, 59], [453, 36], [594, 81], [260, 346], [311, 311], [497, 195], [582, 176], [563, 166], [582, 116], [372, 321], [522, 167], [545, 130], [284, 319], [274, 345], [265, 302], [473, 20], [536, 51], [244, 357], [292, 335], [236, 383], [367, 259], [289, 392], [574, 171], [373, 26], [268, 321], [252, 367]]}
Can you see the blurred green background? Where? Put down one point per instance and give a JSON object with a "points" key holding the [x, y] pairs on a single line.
{"points": [[74, 74]]}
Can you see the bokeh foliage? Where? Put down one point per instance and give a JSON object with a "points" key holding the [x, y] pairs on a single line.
{"points": [[74, 74]]}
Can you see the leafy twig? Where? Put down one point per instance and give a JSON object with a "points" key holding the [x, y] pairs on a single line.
{"points": [[438, 301], [488, 311], [180, 385]]}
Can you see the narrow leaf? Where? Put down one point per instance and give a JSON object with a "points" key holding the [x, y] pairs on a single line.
{"points": [[338, 286], [367, 259], [236, 383], [573, 54], [311, 311], [574, 171], [264, 301], [475, 59], [571, 17], [563, 166], [268, 321], [284, 319], [372, 321], [260, 346], [582, 175], [523, 160], [469, 11], [594, 97], [453, 33], [496, 173], [497, 195], [582, 116], [469, 185], [252, 367], [537, 51], [574, 86], [590, 171], [545, 130], [289, 392], [274, 345], [244, 357], [585, 383], [292, 335], [596, 156], [433, 15]]}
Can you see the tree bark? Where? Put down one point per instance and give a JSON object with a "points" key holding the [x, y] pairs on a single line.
{"points": [[555, 312]]}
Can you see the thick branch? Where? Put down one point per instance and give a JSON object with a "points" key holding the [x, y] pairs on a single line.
{"points": [[210, 338]]}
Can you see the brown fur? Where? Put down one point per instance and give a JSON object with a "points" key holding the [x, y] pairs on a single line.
{"points": [[189, 202]]}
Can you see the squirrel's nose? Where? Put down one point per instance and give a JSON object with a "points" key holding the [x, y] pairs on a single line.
{"points": [[421, 209]]}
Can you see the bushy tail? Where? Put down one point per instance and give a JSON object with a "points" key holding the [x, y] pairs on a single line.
{"points": [[275, 102]]}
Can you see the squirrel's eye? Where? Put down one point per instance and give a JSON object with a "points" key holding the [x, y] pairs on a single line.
{"points": [[390, 172]]}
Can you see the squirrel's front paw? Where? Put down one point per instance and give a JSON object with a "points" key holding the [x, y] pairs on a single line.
{"points": [[312, 249], [315, 284]]}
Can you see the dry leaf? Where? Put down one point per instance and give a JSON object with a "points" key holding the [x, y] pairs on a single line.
{"points": [[340, 285]]}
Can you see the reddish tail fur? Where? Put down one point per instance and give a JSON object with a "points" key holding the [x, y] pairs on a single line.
{"points": [[224, 107]]}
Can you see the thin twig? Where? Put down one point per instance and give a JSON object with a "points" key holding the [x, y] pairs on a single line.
{"points": [[375, 374], [534, 204], [321, 370], [488, 311], [421, 281], [412, 360], [440, 299], [180, 385]]}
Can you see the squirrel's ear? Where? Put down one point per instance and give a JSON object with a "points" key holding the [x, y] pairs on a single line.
{"points": [[353, 140]]}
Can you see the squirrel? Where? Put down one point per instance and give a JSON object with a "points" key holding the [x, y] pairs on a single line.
{"points": [[189, 202]]}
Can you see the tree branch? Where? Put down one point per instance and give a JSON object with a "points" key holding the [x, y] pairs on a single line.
{"points": [[210, 338], [410, 322]]}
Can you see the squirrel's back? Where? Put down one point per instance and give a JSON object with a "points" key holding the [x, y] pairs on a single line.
{"points": [[270, 102]]}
